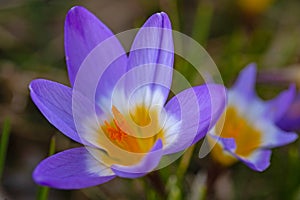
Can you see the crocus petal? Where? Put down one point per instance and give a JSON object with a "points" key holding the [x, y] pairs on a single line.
{"points": [[259, 160], [290, 121], [220, 149], [277, 107], [148, 163], [227, 143], [197, 108], [72, 169], [83, 32], [54, 100], [273, 136], [245, 82], [153, 52]]}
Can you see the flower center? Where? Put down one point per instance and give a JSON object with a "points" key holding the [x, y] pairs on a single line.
{"points": [[115, 132], [129, 137], [247, 137], [136, 132]]}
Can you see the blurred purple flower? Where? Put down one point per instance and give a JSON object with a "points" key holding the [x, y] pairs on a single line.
{"points": [[290, 121], [249, 129], [114, 145]]}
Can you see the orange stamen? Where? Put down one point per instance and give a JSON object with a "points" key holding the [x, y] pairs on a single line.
{"points": [[115, 132], [127, 135]]}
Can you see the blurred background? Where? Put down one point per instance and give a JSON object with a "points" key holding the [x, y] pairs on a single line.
{"points": [[234, 32]]}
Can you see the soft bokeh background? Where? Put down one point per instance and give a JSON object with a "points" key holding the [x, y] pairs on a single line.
{"points": [[234, 32]]}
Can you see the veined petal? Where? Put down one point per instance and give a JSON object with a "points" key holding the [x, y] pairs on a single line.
{"points": [[54, 100], [153, 52], [147, 164], [278, 106], [197, 109], [83, 32], [246, 81], [72, 169]]}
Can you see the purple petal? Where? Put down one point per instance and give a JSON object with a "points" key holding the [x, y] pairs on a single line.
{"points": [[148, 163], [245, 82], [83, 32], [72, 169], [152, 52], [54, 100], [290, 121], [198, 109], [227, 143], [277, 107], [273, 136], [259, 160]]}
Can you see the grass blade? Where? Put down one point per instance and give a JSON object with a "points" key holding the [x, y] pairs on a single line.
{"points": [[4, 144]]}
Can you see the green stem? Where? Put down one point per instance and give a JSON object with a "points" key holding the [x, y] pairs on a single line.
{"points": [[157, 183], [42, 190], [184, 163], [202, 22], [200, 33], [4, 145]]}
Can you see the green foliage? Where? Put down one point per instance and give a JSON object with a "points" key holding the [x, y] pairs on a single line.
{"points": [[4, 144]]}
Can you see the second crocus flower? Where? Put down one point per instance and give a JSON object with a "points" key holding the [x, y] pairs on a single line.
{"points": [[247, 130]]}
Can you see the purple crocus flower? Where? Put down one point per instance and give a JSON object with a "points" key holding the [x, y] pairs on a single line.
{"points": [[133, 131], [291, 119], [248, 130]]}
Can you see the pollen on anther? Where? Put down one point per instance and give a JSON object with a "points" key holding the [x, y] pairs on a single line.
{"points": [[114, 131]]}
